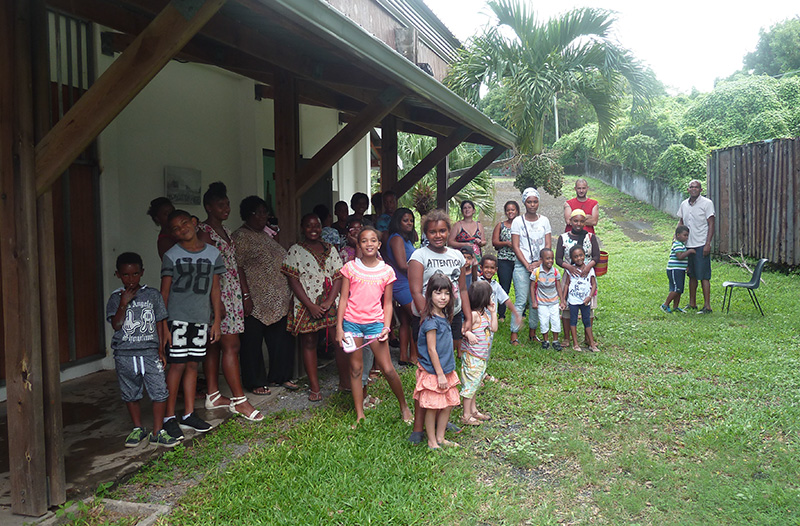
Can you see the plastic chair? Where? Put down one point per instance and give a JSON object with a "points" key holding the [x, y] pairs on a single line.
{"points": [[751, 287]]}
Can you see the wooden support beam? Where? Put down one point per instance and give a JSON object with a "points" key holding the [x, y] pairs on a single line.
{"points": [[287, 154], [443, 148], [441, 183], [120, 83], [474, 170], [51, 362], [388, 152], [347, 137], [20, 264]]}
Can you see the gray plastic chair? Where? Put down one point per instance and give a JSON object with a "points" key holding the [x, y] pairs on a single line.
{"points": [[751, 287]]}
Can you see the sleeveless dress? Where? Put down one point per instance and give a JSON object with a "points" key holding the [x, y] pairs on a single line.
{"points": [[465, 237], [506, 253], [233, 323]]}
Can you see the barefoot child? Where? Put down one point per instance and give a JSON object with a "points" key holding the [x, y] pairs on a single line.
{"points": [[138, 316], [676, 269], [579, 295], [190, 284], [365, 313], [499, 295], [476, 346], [436, 390], [547, 296]]}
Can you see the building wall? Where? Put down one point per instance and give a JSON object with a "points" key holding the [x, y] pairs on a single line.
{"points": [[198, 117]]}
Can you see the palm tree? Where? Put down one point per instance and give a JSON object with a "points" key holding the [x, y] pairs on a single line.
{"points": [[570, 53]]}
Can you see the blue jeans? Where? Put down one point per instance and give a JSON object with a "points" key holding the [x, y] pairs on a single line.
{"points": [[505, 273], [522, 292]]}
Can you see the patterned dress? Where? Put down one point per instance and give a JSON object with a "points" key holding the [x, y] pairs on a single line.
{"points": [[233, 323], [465, 237], [506, 253], [316, 272]]}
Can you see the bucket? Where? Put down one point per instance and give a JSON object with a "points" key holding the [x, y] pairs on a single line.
{"points": [[602, 267]]}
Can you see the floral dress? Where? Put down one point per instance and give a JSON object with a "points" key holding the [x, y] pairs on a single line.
{"points": [[506, 253], [316, 272], [233, 323]]}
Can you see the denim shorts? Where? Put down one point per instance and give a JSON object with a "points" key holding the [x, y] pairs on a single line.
{"points": [[362, 330]]}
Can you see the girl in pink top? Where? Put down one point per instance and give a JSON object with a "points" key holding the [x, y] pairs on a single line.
{"points": [[365, 313]]}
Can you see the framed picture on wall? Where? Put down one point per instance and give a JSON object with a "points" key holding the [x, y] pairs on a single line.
{"points": [[182, 185]]}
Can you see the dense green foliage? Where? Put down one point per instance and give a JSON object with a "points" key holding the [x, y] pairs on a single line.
{"points": [[777, 51], [541, 171], [742, 109]]}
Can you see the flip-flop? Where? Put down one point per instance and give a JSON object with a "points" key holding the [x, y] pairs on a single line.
{"points": [[481, 416], [314, 396], [291, 386], [515, 342], [261, 391]]}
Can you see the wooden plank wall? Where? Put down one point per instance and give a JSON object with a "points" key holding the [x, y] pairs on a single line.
{"points": [[756, 192]]}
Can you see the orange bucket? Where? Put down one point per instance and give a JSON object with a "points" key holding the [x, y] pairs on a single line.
{"points": [[602, 267]]}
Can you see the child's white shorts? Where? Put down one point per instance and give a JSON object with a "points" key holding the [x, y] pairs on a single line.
{"points": [[549, 318]]}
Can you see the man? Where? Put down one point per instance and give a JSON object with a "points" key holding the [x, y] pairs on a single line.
{"points": [[589, 207], [697, 213]]}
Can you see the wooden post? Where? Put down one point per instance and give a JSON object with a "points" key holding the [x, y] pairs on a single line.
{"points": [[51, 363], [287, 153], [121, 82], [388, 152], [441, 183], [19, 255]]}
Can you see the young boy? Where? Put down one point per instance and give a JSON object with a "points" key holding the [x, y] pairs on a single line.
{"points": [[138, 316], [499, 296], [190, 284], [547, 296], [676, 269]]}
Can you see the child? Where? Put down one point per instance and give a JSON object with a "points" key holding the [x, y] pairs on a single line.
{"points": [[676, 269], [190, 284], [349, 251], [499, 295], [159, 211], [137, 314], [365, 313], [476, 347], [436, 390], [472, 265], [579, 295], [313, 269], [547, 296]]}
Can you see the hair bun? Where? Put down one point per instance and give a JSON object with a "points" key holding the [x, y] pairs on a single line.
{"points": [[218, 188]]}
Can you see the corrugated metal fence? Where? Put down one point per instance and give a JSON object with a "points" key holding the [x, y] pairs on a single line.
{"points": [[756, 192]]}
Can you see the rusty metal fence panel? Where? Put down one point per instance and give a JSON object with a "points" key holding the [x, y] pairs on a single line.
{"points": [[756, 192]]}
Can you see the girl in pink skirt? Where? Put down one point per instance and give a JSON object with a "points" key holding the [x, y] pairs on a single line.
{"points": [[436, 377]]}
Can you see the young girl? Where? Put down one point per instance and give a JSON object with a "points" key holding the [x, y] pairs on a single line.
{"points": [[160, 209], [476, 348], [313, 268], [579, 295], [349, 251], [436, 390], [365, 313]]}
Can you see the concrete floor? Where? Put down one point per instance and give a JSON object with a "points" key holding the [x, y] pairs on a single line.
{"points": [[96, 424]]}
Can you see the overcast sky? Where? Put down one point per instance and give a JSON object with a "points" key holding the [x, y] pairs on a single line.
{"points": [[687, 43]]}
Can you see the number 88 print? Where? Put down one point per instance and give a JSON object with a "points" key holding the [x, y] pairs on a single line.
{"points": [[193, 274]]}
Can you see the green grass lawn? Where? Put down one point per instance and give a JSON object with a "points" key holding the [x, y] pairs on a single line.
{"points": [[681, 419]]}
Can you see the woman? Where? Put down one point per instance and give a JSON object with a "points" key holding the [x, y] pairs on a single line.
{"points": [[237, 302], [467, 233], [402, 237], [159, 211], [314, 271], [530, 233], [501, 240], [260, 259], [577, 236]]}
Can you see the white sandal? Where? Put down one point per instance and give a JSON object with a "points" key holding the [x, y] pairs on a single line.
{"points": [[255, 415], [211, 400]]}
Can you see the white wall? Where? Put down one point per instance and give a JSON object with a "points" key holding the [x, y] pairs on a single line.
{"points": [[197, 117]]}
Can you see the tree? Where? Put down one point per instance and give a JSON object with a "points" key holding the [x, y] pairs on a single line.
{"points": [[777, 51], [572, 53]]}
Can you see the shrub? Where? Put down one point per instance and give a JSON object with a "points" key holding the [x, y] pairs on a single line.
{"points": [[575, 148], [639, 153], [678, 165], [767, 125], [539, 171]]}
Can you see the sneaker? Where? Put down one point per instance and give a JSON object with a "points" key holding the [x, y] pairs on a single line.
{"points": [[666, 308], [557, 346], [173, 429], [136, 437], [163, 439], [704, 311], [416, 437], [678, 309], [545, 344], [194, 422], [453, 428], [690, 307]]}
